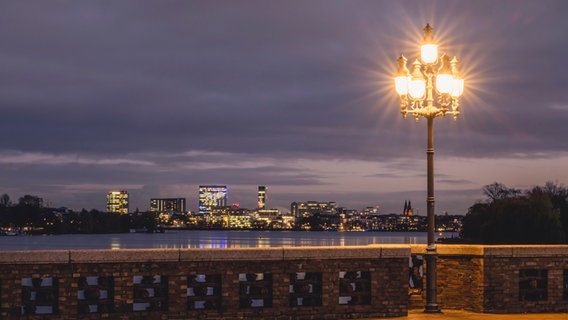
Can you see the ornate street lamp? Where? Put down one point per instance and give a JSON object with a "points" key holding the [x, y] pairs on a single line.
{"points": [[432, 89]]}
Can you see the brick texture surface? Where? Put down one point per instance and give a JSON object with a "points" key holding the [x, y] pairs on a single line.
{"points": [[387, 291], [488, 279]]}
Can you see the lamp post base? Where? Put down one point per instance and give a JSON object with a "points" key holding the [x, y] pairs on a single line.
{"points": [[433, 308], [431, 285]]}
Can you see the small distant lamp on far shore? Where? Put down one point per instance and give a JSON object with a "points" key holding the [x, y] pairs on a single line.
{"points": [[433, 80]]}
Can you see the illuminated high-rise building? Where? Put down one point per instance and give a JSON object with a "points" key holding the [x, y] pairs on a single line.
{"points": [[310, 208], [117, 202], [262, 197], [172, 205], [211, 197]]}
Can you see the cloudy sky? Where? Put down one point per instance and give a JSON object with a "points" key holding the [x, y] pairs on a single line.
{"points": [[158, 97]]}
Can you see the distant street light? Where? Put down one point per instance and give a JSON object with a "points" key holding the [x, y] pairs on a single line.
{"points": [[417, 96]]}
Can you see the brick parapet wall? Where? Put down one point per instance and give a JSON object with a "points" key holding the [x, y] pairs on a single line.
{"points": [[476, 278], [487, 278], [385, 265], [503, 270]]}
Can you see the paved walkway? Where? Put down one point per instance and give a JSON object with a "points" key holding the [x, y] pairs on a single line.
{"points": [[466, 315]]}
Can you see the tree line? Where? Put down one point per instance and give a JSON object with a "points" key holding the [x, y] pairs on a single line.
{"points": [[512, 216], [30, 215]]}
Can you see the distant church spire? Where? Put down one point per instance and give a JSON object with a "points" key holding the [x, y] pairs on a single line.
{"points": [[407, 208]]}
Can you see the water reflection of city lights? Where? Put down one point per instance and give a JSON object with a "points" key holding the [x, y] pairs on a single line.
{"points": [[213, 244], [115, 244], [410, 240], [263, 242]]}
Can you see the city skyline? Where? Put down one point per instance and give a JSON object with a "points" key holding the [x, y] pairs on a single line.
{"points": [[159, 99]]}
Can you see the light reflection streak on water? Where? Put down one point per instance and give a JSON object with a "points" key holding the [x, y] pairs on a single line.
{"points": [[115, 243], [263, 242], [213, 244]]}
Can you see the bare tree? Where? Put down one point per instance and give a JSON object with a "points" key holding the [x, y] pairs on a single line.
{"points": [[497, 191]]}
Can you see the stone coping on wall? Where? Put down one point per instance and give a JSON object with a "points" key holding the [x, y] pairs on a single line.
{"points": [[201, 254], [276, 253], [495, 250]]}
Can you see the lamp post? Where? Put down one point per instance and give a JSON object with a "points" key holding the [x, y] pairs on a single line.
{"points": [[431, 90]]}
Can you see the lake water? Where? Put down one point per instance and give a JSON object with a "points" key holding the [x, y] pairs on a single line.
{"points": [[211, 239]]}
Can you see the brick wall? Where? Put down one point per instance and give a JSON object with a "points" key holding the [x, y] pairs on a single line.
{"points": [[274, 283], [526, 279], [280, 283], [500, 279]]}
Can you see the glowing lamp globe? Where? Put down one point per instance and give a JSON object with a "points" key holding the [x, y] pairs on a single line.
{"points": [[429, 53], [445, 83], [417, 88], [401, 85], [457, 87], [402, 77]]}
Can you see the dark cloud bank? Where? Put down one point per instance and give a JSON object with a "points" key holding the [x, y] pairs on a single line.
{"points": [[150, 95]]}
